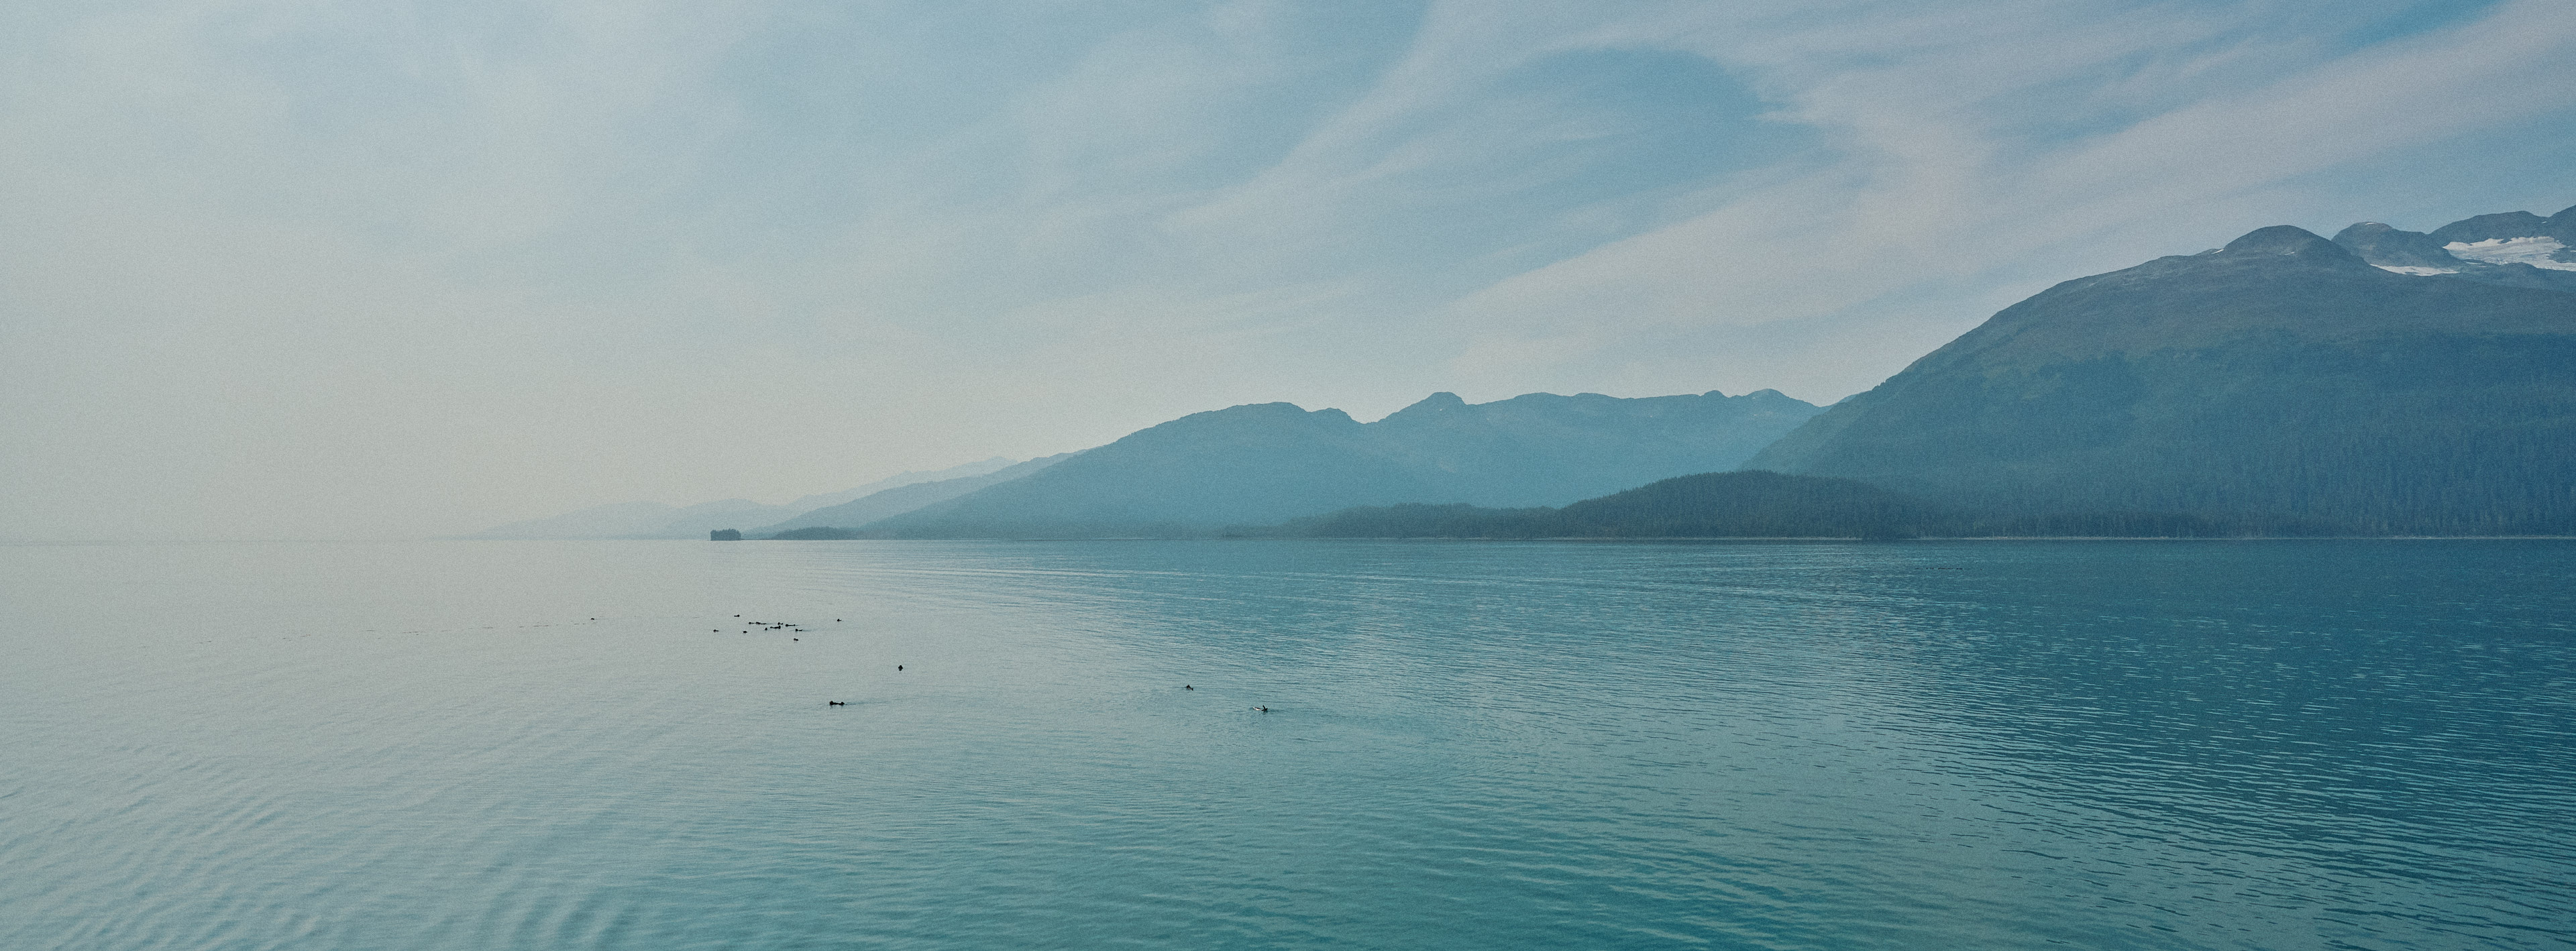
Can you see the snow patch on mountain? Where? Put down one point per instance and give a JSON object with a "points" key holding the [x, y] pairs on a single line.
{"points": [[2417, 271], [2537, 252]]}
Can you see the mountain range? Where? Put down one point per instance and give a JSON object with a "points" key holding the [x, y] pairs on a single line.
{"points": [[1272, 461], [2386, 382], [2382, 382]]}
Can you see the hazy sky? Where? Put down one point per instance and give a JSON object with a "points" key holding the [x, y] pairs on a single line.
{"points": [[318, 269]]}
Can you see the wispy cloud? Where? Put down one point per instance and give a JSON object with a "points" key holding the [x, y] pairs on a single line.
{"points": [[273, 263], [1944, 180]]}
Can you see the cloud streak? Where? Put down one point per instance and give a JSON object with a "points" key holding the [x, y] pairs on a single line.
{"points": [[1933, 186], [317, 269]]}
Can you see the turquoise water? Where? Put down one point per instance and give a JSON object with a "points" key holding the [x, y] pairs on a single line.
{"points": [[2275, 745]]}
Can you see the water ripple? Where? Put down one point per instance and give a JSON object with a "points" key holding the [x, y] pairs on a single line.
{"points": [[1995, 745]]}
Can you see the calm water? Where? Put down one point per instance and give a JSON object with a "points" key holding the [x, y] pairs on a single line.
{"points": [[2276, 745]]}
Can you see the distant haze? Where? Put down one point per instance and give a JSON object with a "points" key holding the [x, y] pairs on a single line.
{"points": [[292, 270], [656, 520]]}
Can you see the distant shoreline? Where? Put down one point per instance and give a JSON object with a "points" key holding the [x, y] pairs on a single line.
{"points": [[1683, 538]]}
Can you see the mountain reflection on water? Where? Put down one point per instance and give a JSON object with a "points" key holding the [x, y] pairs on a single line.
{"points": [[2279, 745]]}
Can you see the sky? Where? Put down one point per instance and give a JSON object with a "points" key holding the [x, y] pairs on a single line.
{"points": [[309, 269]]}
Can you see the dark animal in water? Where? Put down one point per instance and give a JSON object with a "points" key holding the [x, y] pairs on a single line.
{"points": [[836, 703], [1188, 687], [1262, 709], [898, 666]]}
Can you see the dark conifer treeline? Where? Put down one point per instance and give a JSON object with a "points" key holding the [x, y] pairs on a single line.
{"points": [[2467, 437], [1709, 505], [1756, 504], [818, 534]]}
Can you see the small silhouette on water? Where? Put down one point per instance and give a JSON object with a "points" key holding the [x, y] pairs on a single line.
{"points": [[1188, 687], [898, 666], [1262, 709], [836, 703]]}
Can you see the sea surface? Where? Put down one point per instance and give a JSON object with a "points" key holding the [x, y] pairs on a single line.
{"points": [[1989, 745]]}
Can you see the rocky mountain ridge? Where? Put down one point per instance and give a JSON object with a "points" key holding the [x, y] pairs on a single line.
{"points": [[2514, 248]]}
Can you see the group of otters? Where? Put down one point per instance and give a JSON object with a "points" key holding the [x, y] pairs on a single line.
{"points": [[840, 703]]}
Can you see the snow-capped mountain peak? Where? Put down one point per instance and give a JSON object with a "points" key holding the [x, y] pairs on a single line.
{"points": [[2537, 251], [2515, 248]]}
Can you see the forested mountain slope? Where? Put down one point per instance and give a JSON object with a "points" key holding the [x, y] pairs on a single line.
{"points": [[2282, 383]]}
